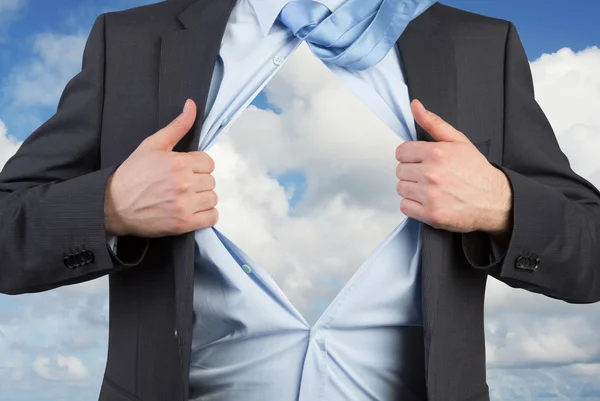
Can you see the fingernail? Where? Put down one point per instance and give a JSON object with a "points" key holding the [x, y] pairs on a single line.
{"points": [[186, 106]]}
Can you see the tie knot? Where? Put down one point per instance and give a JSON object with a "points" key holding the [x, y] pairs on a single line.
{"points": [[301, 16], [358, 34]]}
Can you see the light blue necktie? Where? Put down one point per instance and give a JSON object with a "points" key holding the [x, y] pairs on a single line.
{"points": [[358, 34]]}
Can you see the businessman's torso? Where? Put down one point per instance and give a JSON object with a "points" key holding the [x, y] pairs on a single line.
{"points": [[156, 56]]}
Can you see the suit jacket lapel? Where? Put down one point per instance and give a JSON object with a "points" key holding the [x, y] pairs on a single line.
{"points": [[187, 61], [429, 69]]}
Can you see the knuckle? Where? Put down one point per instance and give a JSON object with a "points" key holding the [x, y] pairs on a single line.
{"points": [[181, 226], [431, 195], [176, 225], [179, 123], [207, 218], [212, 182], [179, 185], [433, 213], [403, 207], [178, 207], [210, 163], [208, 181], [399, 152], [437, 154], [214, 216], [175, 125], [436, 121], [183, 186], [213, 199], [433, 176], [179, 161]]}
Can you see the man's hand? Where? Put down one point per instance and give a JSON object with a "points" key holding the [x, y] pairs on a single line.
{"points": [[156, 192], [449, 184]]}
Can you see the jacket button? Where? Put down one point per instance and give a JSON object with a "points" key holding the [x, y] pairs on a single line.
{"points": [[72, 261], [523, 263], [88, 256], [78, 259]]}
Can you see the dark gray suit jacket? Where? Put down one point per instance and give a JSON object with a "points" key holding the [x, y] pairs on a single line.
{"points": [[138, 68]]}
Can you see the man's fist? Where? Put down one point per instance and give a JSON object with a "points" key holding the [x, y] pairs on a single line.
{"points": [[156, 192], [449, 184]]}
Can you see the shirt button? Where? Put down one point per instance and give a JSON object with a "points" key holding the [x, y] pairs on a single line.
{"points": [[316, 335], [247, 268], [278, 60], [319, 337], [176, 334]]}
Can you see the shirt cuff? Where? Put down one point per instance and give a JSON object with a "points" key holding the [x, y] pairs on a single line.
{"points": [[112, 243]]}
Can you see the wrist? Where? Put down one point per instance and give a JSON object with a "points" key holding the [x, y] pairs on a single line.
{"points": [[113, 223], [498, 216]]}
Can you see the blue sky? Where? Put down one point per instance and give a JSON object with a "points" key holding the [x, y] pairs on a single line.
{"points": [[544, 27], [52, 345]]}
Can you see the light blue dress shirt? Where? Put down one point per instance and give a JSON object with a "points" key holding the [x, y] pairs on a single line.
{"points": [[249, 342]]}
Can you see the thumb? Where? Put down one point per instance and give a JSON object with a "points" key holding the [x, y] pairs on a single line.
{"points": [[439, 129], [167, 137]]}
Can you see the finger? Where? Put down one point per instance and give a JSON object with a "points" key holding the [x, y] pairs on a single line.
{"points": [[203, 183], [205, 201], [412, 209], [167, 137], [204, 219], [411, 190], [201, 162], [413, 151], [439, 129], [410, 172]]}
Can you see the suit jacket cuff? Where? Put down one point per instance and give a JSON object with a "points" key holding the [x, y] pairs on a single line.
{"points": [[131, 249], [481, 249], [87, 214], [531, 204], [540, 215]]}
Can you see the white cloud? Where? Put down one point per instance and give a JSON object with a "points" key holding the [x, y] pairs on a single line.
{"points": [[10, 371], [40, 83], [521, 340], [8, 145], [538, 345], [590, 369], [7, 6], [61, 368], [9, 11], [567, 86], [347, 154]]}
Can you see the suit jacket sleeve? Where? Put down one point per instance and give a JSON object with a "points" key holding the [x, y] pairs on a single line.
{"points": [[555, 212], [52, 192]]}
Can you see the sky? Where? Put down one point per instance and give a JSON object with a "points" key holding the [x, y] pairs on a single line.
{"points": [[53, 344], [298, 178]]}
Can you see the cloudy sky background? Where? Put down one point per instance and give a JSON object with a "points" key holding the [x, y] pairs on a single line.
{"points": [[306, 181], [53, 345]]}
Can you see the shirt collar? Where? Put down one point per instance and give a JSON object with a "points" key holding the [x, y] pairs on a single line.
{"points": [[267, 11]]}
